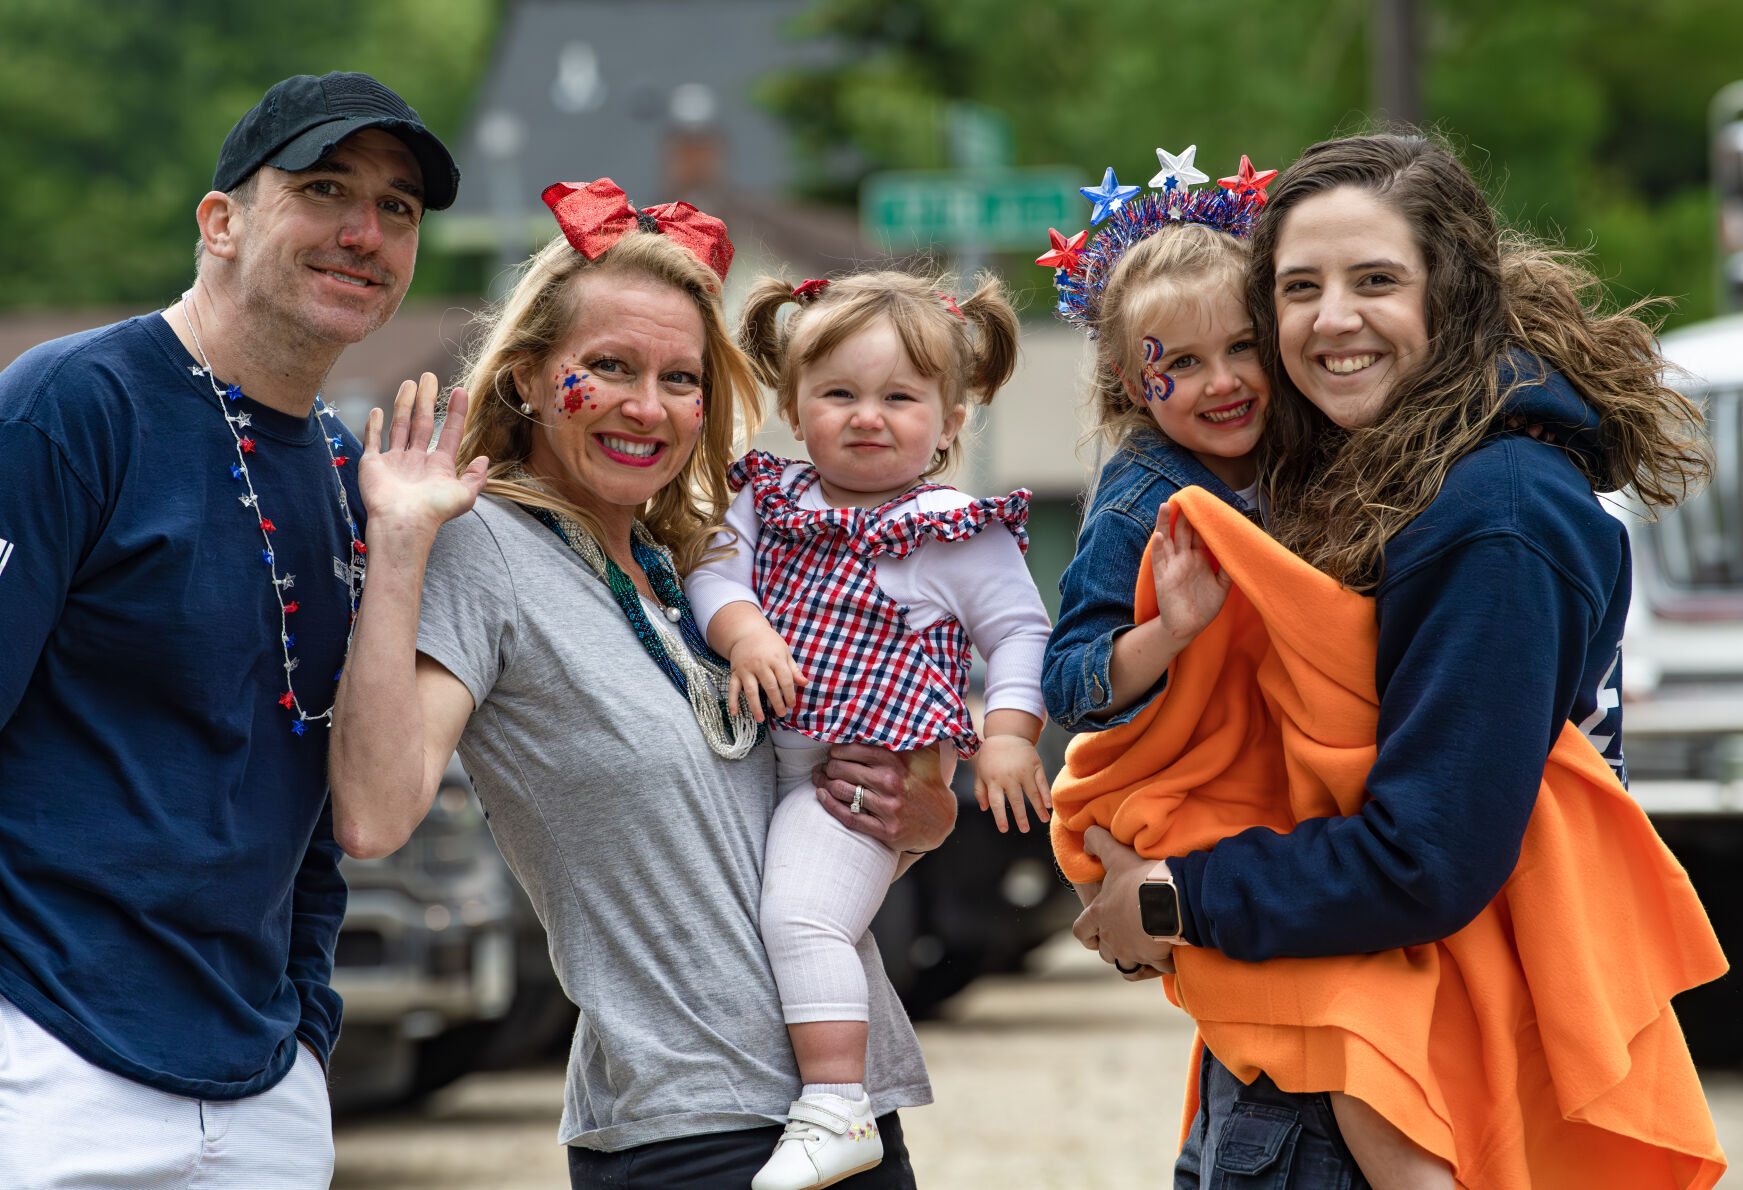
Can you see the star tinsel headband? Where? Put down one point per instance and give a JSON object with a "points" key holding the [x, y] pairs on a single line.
{"points": [[1122, 217]]}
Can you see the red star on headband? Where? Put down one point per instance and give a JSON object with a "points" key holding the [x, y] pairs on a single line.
{"points": [[1064, 252], [1247, 181]]}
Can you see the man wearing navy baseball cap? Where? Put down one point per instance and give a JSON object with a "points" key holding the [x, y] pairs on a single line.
{"points": [[181, 556], [302, 120]]}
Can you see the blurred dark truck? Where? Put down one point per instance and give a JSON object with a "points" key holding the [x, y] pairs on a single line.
{"points": [[440, 961], [1682, 674]]}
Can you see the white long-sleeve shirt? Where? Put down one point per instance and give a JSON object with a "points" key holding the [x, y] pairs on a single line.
{"points": [[981, 581]]}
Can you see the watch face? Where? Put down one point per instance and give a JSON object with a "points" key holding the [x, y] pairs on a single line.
{"points": [[1159, 909]]}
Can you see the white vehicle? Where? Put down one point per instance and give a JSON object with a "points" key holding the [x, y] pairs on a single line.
{"points": [[1682, 674]]}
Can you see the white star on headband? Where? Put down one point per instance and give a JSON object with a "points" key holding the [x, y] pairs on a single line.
{"points": [[1177, 170]]}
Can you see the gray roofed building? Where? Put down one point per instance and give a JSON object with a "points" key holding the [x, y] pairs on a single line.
{"points": [[635, 90]]}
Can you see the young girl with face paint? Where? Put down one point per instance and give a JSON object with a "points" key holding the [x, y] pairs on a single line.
{"points": [[1180, 392], [847, 598]]}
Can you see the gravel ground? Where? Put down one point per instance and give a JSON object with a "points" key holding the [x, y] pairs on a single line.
{"points": [[1025, 1102]]}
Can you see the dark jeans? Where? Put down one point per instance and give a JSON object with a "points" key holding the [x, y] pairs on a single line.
{"points": [[1261, 1138], [722, 1161]]}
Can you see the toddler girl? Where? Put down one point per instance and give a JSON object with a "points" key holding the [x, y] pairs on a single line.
{"points": [[848, 601]]}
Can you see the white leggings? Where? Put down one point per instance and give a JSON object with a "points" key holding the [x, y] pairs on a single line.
{"points": [[822, 884]]}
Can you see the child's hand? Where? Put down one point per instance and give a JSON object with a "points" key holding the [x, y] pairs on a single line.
{"points": [[1190, 585], [763, 667], [1006, 770]]}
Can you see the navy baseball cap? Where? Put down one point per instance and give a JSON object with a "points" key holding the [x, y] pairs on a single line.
{"points": [[303, 119]]}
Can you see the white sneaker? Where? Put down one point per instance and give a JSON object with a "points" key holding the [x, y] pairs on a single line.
{"points": [[827, 1139]]}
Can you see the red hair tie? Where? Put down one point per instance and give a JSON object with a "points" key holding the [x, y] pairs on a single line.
{"points": [[950, 304], [597, 214], [808, 291]]}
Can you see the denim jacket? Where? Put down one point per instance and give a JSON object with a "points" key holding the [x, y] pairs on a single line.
{"points": [[1097, 589]]}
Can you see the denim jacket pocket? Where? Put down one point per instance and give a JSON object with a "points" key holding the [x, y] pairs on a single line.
{"points": [[1256, 1148]]}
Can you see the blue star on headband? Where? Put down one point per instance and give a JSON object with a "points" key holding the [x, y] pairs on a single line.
{"points": [[1177, 171], [1109, 197]]}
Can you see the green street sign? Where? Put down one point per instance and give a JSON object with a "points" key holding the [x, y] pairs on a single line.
{"points": [[999, 208]]}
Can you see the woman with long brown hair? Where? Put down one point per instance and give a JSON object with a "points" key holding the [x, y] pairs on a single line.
{"points": [[1448, 401]]}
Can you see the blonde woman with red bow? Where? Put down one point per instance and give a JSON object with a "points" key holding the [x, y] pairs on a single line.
{"points": [[528, 608]]}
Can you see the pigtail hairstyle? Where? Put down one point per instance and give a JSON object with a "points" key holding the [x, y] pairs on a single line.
{"points": [[988, 311], [971, 349], [1336, 495], [531, 324], [760, 335]]}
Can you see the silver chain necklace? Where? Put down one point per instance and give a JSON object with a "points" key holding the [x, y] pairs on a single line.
{"points": [[245, 445]]}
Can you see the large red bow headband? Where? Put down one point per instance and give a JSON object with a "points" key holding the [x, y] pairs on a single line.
{"points": [[596, 215]]}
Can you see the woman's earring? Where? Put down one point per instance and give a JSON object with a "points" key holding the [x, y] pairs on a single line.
{"points": [[526, 409]]}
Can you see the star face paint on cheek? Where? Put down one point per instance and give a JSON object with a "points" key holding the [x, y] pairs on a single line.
{"points": [[573, 390], [1158, 385]]}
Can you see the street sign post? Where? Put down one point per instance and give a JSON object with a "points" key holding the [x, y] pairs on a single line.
{"points": [[978, 136], [978, 209]]}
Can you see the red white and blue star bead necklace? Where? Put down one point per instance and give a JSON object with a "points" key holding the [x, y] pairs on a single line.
{"points": [[238, 421]]}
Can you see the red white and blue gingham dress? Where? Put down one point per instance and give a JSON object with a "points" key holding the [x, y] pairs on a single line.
{"points": [[873, 679]]}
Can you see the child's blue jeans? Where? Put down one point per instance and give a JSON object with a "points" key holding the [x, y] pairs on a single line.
{"points": [[1261, 1138]]}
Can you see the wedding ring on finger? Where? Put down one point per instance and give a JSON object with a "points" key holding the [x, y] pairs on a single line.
{"points": [[1125, 970], [858, 802]]}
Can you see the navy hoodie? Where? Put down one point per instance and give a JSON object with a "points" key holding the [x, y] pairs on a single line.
{"points": [[1500, 612]]}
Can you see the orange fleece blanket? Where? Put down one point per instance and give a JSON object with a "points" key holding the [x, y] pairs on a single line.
{"points": [[1536, 1047]]}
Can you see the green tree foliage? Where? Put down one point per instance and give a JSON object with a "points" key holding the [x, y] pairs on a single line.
{"points": [[1586, 119], [112, 111]]}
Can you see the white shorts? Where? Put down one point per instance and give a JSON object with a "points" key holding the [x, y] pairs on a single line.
{"points": [[68, 1125]]}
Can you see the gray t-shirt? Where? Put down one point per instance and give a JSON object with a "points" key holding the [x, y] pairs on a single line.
{"points": [[641, 849]]}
